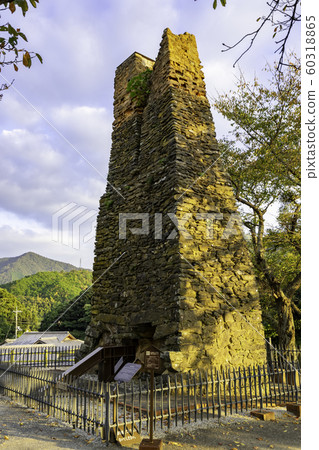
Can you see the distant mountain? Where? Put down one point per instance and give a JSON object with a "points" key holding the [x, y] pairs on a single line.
{"points": [[17, 267]]}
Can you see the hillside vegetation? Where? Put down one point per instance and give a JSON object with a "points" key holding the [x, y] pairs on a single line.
{"points": [[75, 315], [39, 294], [8, 304], [30, 263]]}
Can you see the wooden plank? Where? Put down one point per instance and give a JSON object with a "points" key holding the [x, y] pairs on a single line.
{"points": [[85, 363]]}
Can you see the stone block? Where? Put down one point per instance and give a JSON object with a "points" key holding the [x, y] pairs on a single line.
{"points": [[229, 317], [155, 444], [294, 408], [165, 329], [263, 414]]}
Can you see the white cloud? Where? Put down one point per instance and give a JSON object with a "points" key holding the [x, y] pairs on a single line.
{"points": [[40, 242], [14, 110], [88, 128], [35, 177], [29, 235]]}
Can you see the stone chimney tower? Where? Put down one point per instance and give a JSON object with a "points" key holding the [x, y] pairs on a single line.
{"points": [[171, 265]]}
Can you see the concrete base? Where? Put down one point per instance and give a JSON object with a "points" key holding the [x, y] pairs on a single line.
{"points": [[263, 414], [126, 441], [146, 444], [294, 408]]}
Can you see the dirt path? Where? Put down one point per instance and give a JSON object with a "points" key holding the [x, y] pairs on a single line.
{"points": [[22, 428], [26, 429]]}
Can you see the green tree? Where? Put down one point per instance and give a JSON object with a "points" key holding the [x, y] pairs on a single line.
{"points": [[8, 304], [12, 50], [263, 160], [73, 316]]}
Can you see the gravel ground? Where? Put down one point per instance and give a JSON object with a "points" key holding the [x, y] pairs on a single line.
{"points": [[22, 428], [26, 429], [240, 431]]}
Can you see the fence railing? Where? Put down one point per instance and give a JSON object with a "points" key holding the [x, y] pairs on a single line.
{"points": [[113, 409], [39, 355], [60, 356], [278, 353]]}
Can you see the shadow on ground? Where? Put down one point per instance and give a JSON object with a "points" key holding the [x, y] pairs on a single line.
{"points": [[23, 428]]}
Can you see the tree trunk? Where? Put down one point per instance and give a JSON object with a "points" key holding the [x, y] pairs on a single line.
{"points": [[286, 325]]}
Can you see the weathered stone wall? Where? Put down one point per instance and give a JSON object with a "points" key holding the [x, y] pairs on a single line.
{"points": [[192, 292]]}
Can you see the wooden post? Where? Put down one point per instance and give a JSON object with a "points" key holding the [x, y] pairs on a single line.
{"points": [[152, 362]]}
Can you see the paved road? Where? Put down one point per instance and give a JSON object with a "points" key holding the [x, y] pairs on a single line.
{"points": [[25, 429]]}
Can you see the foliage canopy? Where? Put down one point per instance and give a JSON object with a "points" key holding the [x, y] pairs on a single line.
{"points": [[263, 160], [40, 292], [12, 50]]}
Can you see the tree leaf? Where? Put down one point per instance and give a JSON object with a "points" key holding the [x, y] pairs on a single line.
{"points": [[26, 60], [11, 30], [23, 36], [12, 7], [24, 6], [39, 58]]}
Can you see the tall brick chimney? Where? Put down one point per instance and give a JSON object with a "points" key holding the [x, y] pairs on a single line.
{"points": [[190, 292]]}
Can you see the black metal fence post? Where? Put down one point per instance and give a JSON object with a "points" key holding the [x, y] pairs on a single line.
{"points": [[107, 419]]}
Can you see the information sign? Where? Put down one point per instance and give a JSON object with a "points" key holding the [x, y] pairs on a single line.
{"points": [[152, 358], [127, 372]]}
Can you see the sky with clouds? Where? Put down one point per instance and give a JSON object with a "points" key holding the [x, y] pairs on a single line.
{"points": [[56, 119]]}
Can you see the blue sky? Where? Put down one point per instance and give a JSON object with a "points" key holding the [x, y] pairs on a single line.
{"points": [[56, 119]]}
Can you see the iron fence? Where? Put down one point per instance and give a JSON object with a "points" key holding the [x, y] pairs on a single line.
{"points": [[39, 355], [276, 354], [122, 409]]}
